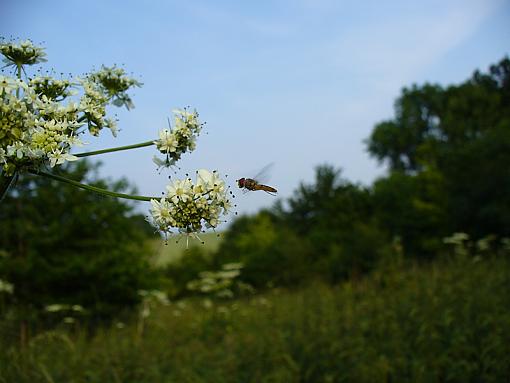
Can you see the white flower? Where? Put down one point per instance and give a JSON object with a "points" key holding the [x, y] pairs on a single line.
{"points": [[212, 182], [74, 141], [226, 205], [163, 163], [112, 125], [213, 222], [58, 157], [35, 153], [16, 149], [182, 128], [167, 142], [7, 84], [180, 190], [204, 177], [162, 211]]}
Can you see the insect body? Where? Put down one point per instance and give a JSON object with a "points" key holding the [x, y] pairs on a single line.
{"points": [[255, 183], [251, 184]]}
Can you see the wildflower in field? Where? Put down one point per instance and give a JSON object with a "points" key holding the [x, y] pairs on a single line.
{"points": [[54, 308], [505, 243], [189, 207], [456, 238], [6, 287], [120, 325], [460, 243], [219, 283]]}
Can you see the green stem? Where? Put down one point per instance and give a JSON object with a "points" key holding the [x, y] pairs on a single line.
{"points": [[18, 65], [119, 148], [5, 182], [94, 189]]}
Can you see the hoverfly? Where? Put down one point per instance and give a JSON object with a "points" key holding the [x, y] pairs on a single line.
{"points": [[252, 184]]}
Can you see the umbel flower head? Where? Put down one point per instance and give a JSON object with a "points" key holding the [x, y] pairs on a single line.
{"points": [[23, 53], [39, 120], [188, 207], [33, 128], [114, 82], [50, 87], [176, 141]]}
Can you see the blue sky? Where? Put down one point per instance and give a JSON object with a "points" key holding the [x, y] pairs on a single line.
{"points": [[298, 83]]}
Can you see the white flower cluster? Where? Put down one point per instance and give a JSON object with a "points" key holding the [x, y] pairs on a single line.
{"points": [[189, 208], [150, 299], [6, 287], [93, 105], [115, 83], [56, 307], [35, 125], [34, 128], [23, 53], [219, 283], [181, 138], [52, 88]]}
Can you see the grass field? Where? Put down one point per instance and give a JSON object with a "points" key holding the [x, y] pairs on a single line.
{"points": [[170, 251], [447, 322]]}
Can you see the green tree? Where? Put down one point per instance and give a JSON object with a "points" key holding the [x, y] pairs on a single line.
{"points": [[66, 246], [271, 252], [413, 208], [453, 145], [337, 219]]}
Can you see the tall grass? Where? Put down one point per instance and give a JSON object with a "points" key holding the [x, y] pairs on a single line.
{"points": [[447, 322]]}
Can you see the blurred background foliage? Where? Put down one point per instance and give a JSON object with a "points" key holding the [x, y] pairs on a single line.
{"points": [[340, 282], [62, 245]]}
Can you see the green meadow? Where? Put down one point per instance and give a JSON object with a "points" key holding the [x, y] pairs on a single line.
{"points": [[445, 322]]}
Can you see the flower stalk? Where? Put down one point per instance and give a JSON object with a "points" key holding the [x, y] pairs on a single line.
{"points": [[18, 74], [5, 183], [91, 188], [116, 149]]}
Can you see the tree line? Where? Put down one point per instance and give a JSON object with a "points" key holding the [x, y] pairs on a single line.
{"points": [[448, 155]]}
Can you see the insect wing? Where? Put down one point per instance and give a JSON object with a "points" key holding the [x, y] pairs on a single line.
{"points": [[264, 174]]}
